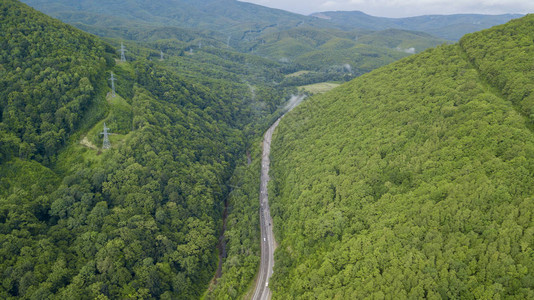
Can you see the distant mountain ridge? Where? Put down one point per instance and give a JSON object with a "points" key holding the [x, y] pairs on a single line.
{"points": [[333, 54], [244, 21], [229, 17], [451, 27], [302, 42]]}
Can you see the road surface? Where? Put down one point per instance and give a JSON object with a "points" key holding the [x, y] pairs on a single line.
{"points": [[262, 292]]}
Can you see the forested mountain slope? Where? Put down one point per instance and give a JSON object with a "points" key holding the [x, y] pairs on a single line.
{"points": [[142, 219], [451, 27], [241, 20], [413, 181], [300, 43], [48, 73], [332, 54]]}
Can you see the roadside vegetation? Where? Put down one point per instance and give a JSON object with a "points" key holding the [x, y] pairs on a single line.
{"points": [[412, 181]]}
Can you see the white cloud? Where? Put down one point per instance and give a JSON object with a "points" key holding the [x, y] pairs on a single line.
{"points": [[409, 50], [329, 4]]}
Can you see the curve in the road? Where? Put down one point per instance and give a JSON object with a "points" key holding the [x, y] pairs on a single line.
{"points": [[267, 238], [262, 291]]}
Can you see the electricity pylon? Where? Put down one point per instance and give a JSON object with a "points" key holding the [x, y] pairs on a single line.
{"points": [[122, 50], [106, 144], [112, 85]]}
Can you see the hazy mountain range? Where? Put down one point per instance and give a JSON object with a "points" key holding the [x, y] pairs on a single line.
{"points": [[244, 20], [451, 27]]}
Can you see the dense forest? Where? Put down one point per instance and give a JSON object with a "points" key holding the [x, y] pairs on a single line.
{"points": [[242, 235], [47, 81], [142, 219], [336, 55], [413, 181], [416, 177], [329, 50], [236, 18]]}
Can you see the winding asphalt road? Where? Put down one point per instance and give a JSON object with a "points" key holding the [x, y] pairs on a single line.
{"points": [[262, 292]]}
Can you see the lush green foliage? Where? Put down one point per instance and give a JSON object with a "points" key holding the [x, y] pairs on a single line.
{"points": [[401, 40], [242, 236], [48, 74], [451, 27], [298, 42], [339, 55], [443, 185], [140, 220], [413, 181], [506, 64]]}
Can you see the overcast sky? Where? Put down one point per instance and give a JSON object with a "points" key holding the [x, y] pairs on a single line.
{"points": [[403, 8]]}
